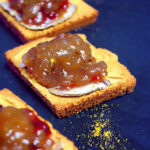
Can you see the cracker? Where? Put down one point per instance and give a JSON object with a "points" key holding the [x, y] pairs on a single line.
{"points": [[122, 81], [84, 15], [7, 98]]}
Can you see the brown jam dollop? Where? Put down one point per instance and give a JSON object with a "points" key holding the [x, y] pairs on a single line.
{"points": [[37, 12], [21, 129], [65, 62]]}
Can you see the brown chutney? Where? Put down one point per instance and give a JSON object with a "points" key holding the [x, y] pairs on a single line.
{"points": [[64, 62]]}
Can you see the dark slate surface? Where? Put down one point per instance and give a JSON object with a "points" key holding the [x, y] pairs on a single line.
{"points": [[123, 28]]}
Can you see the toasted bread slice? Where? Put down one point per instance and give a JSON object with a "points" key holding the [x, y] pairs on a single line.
{"points": [[84, 15], [7, 98], [122, 81]]}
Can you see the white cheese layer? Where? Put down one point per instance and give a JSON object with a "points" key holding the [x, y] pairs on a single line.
{"points": [[79, 91]]}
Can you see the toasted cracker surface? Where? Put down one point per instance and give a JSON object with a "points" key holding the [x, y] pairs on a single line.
{"points": [[7, 98], [122, 81], [84, 15]]}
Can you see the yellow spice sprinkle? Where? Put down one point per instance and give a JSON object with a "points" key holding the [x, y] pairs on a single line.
{"points": [[107, 134], [103, 133], [52, 61]]}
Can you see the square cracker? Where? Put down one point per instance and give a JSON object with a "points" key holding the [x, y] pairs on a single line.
{"points": [[7, 98], [84, 15], [122, 81]]}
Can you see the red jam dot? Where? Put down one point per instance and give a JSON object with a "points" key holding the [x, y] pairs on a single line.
{"points": [[96, 78], [39, 126]]}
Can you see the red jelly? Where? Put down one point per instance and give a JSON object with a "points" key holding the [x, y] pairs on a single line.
{"points": [[37, 12], [64, 63], [21, 129]]}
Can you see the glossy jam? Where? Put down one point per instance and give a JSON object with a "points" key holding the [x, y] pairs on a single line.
{"points": [[65, 62], [20, 129], [37, 12]]}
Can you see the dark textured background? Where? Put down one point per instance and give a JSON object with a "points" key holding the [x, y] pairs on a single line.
{"points": [[123, 27]]}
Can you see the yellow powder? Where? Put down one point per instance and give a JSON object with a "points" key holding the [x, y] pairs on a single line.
{"points": [[101, 115], [108, 134], [104, 105], [98, 128], [103, 132]]}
